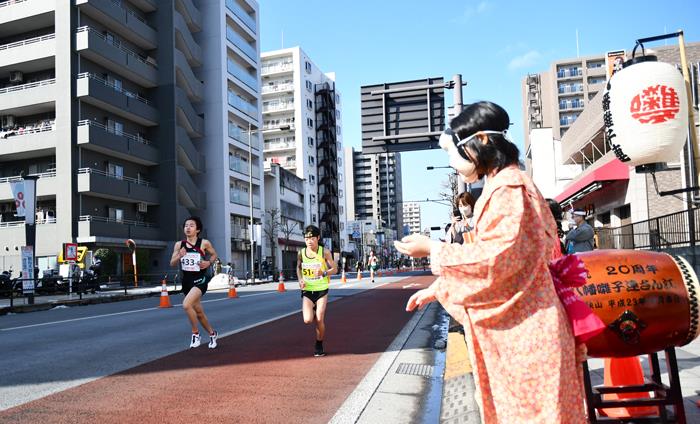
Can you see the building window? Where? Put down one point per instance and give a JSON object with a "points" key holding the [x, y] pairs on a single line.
{"points": [[340, 193], [310, 140], [342, 211], [313, 199], [311, 160], [116, 214], [308, 66], [313, 218], [337, 128], [342, 227], [309, 85], [312, 178], [115, 171], [337, 99], [309, 104], [309, 122]]}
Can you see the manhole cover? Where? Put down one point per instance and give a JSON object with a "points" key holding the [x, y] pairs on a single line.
{"points": [[422, 370]]}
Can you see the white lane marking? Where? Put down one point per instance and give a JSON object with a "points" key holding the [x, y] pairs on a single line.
{"points": [[411, 285], [152, 309]]}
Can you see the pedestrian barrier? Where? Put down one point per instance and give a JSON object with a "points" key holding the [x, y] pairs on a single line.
{"points": [[164, 297], [280, 286]]}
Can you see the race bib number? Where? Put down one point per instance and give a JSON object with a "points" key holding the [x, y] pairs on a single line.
{"points": [[308, 270], [190, 262]]}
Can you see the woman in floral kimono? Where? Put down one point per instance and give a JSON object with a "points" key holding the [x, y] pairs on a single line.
{"points": [[499, 287]]}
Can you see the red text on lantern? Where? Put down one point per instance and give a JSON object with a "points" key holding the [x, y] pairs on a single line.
{"points": [[655, 104]]}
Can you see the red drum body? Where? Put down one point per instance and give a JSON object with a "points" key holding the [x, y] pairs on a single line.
{"points": [[648, 301]]}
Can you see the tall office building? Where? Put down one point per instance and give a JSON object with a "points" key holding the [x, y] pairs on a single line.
{"points": [[411, 217], [103, 100], [303, 133], [231, 74], [376, 186]]}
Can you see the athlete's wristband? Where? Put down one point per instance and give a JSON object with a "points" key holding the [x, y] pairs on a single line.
{"points": [[325, 274]]}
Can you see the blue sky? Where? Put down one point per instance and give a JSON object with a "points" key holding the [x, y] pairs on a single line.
{"points": [[492, 43]]}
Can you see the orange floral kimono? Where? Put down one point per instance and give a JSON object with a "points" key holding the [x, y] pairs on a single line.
{"points": [[520, 341]]}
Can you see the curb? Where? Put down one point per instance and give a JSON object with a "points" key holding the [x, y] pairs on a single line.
{"points": [[77, 302], [458, 403]]}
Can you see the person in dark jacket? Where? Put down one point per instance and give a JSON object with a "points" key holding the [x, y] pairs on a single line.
{"points": [[580, 239]]}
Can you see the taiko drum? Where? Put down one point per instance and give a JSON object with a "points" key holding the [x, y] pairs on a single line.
{"points": [[647, 300]]}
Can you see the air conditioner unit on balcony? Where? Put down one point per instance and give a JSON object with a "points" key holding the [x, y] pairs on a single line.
{"points": [[142, 207], [16, 76]]}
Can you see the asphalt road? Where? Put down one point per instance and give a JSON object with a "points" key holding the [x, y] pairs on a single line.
{"points": [[49, 352]]}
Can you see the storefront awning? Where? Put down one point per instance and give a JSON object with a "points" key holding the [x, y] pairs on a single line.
{"points": [[611, 171]]}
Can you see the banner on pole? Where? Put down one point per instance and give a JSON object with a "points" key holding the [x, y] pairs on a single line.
{"points": [[18, 194], [27, 269]]}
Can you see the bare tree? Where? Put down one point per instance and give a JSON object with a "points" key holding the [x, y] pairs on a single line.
{"points": [[272, 228], [450, 188], [287, 229]]}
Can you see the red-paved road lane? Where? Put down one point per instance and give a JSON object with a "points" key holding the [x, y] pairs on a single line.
{"points": [[266, 374]]}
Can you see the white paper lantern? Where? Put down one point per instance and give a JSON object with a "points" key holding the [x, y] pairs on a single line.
{"points": [[645, 110]]}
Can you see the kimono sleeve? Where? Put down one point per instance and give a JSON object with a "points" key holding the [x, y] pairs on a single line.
{"points": [[510, 241]]}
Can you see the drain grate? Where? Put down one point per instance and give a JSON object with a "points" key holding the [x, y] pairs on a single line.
{"points": [[422, 370]]}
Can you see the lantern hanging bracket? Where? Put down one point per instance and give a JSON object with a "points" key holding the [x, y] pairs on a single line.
{"points": [[640, 42]]}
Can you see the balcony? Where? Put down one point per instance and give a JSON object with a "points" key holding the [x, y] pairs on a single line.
{"points": [[242, 167], [187, 117], [187, 153], [189, 194], [45, 185], [190, 13], [242, 44], [91, 228], [95, 46], [97, 137], [111, 186], [280, 146], [98, 92], [278, 88], [277, 68], [186, 79], [28, 55], [569, 90], [123, 21], [241, 14], [47, 234], [242, 74], [15, 14], [28, 99], [26, 143], [242, 105], [569, 73], [185, 43], [279, 107], [239, 134], [242, 198]]}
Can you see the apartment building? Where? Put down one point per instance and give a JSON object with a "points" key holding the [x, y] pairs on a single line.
{"points": [[376, 188], [303, 133], [232, 141], [104, 100], [613, 193], [411, 217]]}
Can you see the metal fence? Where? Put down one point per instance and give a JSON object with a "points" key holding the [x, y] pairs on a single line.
{"points": [[679, 229]]}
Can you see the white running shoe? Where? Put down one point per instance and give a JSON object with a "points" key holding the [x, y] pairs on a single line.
{"points": [[212, 339], [196, 340]]}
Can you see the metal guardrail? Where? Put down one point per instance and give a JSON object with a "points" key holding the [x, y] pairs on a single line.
{"points": [[115, 176], [119, 46], [27, 41], [131, 137], [672, 230], [27, 86], [11, 2], [48, 174], [127, 93], [89, 218]]}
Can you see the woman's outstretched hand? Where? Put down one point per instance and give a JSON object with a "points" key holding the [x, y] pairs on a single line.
{"points": [[415, 245], [420, 299]]}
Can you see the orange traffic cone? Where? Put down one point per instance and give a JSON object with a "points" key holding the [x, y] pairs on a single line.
{"points": [[164, 298], [232, 288], [343, 280], [359, 275], [280, 286], [379, 273], [625, 372]]}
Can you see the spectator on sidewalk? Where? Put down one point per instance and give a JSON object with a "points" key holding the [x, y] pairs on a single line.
{"points": [[462, 219], [557, 213], [499, 287], [580, 239]]}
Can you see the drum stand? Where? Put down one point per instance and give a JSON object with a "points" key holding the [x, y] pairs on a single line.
{"points": [[663, 394]]}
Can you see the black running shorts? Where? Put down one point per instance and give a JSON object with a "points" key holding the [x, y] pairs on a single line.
{"points": [[313, 296]]}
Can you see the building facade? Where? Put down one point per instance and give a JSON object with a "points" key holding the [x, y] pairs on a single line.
{"points": [[303, 133], [411, 217], [104, 100], [232, 141], [377, 190]]}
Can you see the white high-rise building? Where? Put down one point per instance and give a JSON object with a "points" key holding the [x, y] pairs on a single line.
{"points": [[411, 217], [303, 133], [231, 74]]}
